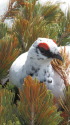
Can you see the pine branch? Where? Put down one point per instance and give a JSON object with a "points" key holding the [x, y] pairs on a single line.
{"points": [[8, 52], [36, 104], [66, 106], [64, 32], [10, 8]]}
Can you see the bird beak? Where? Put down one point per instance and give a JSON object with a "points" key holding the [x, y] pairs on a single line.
{"points": [[58, 56]]}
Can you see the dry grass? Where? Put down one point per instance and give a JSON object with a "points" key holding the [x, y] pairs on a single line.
{"points": [[62, 67]]}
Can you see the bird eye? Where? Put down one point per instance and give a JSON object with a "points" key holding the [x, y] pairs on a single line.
{"points": [[42, 50], [45, 52]]}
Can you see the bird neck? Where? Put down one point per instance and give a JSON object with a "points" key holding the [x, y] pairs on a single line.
{"points": [[37, 69], [34, 64]]}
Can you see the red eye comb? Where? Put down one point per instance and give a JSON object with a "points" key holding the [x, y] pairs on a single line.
{"points": [[43, 45]]}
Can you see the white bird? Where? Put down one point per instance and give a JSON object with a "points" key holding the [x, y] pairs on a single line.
{"points": [[37, 63]]}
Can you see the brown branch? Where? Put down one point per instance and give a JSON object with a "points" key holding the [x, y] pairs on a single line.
{"points": [[10, 7], [62, 37], [32, 115]]}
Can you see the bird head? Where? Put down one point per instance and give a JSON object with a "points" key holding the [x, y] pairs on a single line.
{"points": [[44, 48]]}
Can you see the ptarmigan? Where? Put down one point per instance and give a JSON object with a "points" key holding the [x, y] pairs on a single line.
{"points": [[37, 63]]}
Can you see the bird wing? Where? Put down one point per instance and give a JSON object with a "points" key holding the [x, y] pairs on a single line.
{"points": [[15, 73]]}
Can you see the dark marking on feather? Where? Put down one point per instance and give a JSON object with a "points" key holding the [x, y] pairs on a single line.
{"points": [[40, 59], [49, 81], [31, 74], [31, 57]]}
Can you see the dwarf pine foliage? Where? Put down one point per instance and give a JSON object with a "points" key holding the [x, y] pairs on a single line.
{"points": [[34, 104]]}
